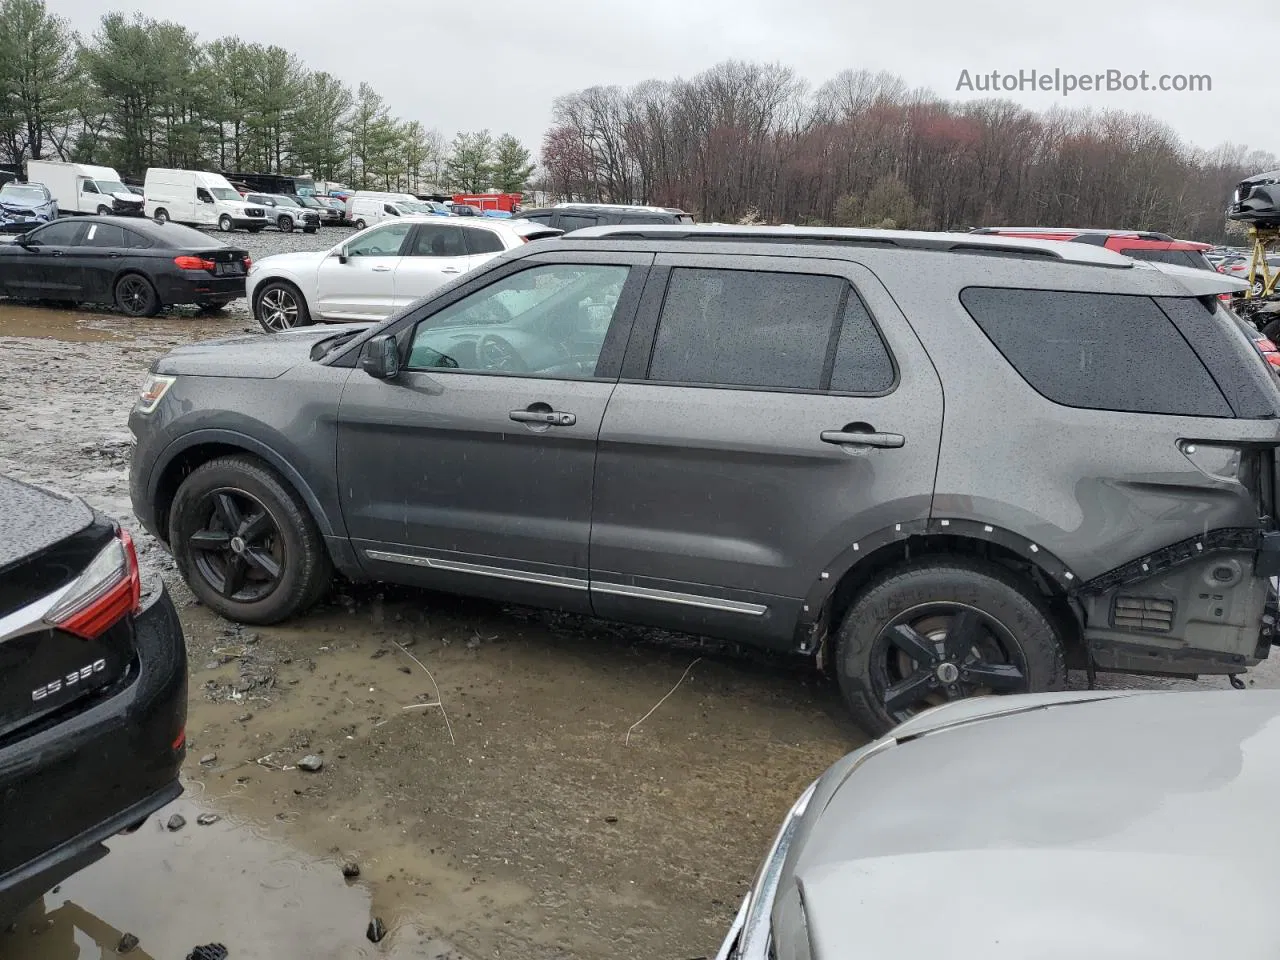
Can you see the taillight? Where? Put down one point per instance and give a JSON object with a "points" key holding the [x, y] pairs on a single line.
{"points": [[193, 263], [109, 589], [1273, 359], [1265, 345], [248, 262]]}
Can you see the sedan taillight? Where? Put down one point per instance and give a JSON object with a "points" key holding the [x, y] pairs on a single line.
{"points": [[193, 263], [109, 589]]}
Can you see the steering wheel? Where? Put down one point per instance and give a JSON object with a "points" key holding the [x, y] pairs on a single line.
{"points": [[496, 353]]}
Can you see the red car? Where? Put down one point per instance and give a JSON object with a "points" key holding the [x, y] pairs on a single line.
{"points": [[1138, 244]]}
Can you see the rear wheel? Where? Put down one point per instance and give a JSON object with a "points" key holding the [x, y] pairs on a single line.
{"points": [[103, 210], [162, 215], [281, 306], [136, 296], [245, 542], [285, 224], [360, 224], [226, 224], [940, 630]]}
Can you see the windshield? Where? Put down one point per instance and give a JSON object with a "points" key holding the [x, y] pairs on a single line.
{"points": [[407, 207], [23, 192], [309, 202], [224, 193], [287, 202], [304, 186], [110, 186]]}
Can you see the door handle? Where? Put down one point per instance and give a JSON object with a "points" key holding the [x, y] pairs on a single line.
{"points": [[552, 418], [863, 438], [381, 269], [56, 253]]}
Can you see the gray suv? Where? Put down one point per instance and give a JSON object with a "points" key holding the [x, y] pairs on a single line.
{"points": [[939, 464]]}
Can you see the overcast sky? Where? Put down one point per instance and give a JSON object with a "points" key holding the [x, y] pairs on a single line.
{"points": [[469, 64]]}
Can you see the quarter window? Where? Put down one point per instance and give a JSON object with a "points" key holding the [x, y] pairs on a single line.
{"points": [[1098, 351], [548, 320], [862, 360], [746, 328]]}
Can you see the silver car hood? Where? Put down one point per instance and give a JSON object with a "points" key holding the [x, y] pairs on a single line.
{"points": [[1073, 823]]}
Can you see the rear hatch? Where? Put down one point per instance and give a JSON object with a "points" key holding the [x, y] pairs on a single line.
{"points": [[66, 578], [217, 261]]}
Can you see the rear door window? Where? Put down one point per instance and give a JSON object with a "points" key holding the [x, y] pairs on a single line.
{"points": [[746, 328], [1097, 351], [573, 221], [483, 241], [104, 235]]}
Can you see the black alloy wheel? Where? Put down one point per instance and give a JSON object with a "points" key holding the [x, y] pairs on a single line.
{"points": [[940, 629], [945, 651], [136, 296], [238, 550]]}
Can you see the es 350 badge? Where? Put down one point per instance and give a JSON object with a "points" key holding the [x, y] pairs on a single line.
{"points": [[72, 679]]}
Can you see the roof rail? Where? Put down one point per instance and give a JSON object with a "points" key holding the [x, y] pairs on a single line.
{"points": [[969, 243]]}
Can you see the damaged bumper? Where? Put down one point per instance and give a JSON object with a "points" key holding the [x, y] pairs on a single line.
{"points": [[1207, 605]]}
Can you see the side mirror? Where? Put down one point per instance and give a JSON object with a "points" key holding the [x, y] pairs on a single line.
{"points": [[26, 242], [381, 357]]}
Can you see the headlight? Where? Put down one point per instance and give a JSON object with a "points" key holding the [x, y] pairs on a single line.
{"points": [[153, 390]]}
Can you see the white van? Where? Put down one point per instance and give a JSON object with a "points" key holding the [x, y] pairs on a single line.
{"points": [[367, 207], [82, 188], [200, 199]]}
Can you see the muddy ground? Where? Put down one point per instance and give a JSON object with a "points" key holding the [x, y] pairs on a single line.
{"points": [[484, 766]]}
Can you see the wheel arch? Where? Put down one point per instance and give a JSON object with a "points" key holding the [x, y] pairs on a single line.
{"points": [[194, 450], [844, 579]]}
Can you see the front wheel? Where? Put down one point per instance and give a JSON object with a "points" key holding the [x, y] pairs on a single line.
{"points": [[285, 224], [281, 306], [226, 224], [941, 630], [136, 296], [105, 211], [246, 544]]}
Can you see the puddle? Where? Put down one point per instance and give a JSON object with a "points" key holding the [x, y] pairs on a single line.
{"points": [[90, 325], [223, 883]]}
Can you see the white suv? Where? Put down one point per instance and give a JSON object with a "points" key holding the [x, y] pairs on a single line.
{"points": [[379, 270]]}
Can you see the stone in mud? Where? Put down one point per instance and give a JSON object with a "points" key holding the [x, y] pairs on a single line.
{"points": [[176, 822], [127, 942], [208, 758], [311, 763], [207, 819], [351, 869], [377, 930]]}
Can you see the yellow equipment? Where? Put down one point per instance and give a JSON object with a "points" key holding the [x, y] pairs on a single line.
{"points": [[1262, 238]]}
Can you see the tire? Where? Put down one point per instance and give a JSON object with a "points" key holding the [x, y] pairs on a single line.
{"points": [[281, 306], [285, 224], [1272, 330], [211, 307], [162, 215], [284, 538], [309, 229], [1014, 629], [103, 210], [226, 224], [136, 297], [360, 224]]}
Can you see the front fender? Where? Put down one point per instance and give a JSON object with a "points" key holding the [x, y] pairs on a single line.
{"points": [[329, 520]]}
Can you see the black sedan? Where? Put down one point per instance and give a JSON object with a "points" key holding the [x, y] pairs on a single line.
{"points": [[93, 691], [137, 265]]}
